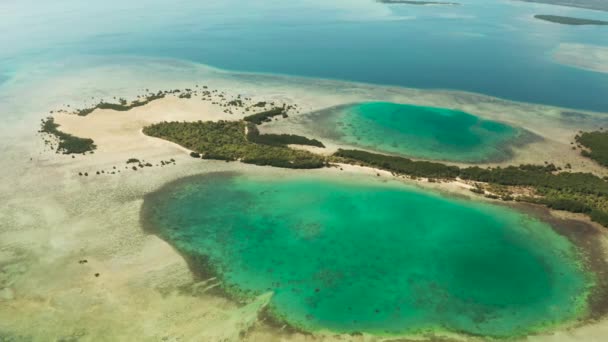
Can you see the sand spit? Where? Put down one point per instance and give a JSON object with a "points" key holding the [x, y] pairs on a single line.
{"points": [[76, 264], [589, 57]]}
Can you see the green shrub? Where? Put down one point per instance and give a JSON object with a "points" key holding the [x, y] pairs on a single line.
{"points": [[597, 143], [600, 217], [68, 144], [266, 116], [400, 164], [282, 140], [123, 106]]}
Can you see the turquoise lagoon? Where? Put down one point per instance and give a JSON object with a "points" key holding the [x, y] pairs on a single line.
{"points": [[357, 255], [419, 132]]}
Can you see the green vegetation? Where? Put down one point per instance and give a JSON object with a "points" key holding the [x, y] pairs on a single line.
{"points": [[226, 140], [122, 106], [573, 192], [400, 164], [266, 116], [281, 140], [595, 206], [569, 20], [597, 145], [68, 144], [235, 103]]}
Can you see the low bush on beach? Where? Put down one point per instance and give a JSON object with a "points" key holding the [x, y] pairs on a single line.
{"points": [[123, 105], [400, 164], [266, 116], [67, 143], [282, 140]]}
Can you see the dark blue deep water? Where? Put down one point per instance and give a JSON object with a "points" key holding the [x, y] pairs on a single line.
{"points": [[490, 47]]}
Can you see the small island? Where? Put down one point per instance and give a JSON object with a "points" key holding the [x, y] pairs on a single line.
{"points": [[419, 3], [569, 20], [599, 5]]}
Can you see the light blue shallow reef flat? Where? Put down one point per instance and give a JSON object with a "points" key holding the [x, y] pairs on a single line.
{"points": [[420, 132], [362, 256]]}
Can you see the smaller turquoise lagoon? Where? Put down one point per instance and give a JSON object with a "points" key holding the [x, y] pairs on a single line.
{"points": [[419, 132]]}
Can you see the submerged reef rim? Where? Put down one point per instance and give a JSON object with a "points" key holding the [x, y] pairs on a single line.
{"points": [[591, 259], [424, 132]]}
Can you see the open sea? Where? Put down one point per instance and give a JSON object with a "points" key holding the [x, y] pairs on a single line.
{"points": [[490, 47]]}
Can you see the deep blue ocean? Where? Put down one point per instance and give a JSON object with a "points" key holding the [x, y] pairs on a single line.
{"points": [[490, 47]]}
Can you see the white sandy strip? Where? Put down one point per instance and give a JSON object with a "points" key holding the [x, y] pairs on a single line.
{"points": [[589, 57]]}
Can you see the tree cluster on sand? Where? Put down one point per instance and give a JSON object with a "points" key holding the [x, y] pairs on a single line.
{"points": [[66, 143], [226, 140], [596, 144], [281, 140]]}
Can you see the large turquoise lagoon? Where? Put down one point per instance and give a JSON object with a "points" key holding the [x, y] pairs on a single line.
{"points": [[359, 255], [419, 132]]}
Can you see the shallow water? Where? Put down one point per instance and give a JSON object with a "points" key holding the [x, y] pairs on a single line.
{"points": [[419, 132], [363, 256]]}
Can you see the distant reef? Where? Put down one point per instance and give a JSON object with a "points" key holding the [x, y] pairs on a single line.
{"points": [[588, 57], [569, 20], [600, 5], [420, 3]]}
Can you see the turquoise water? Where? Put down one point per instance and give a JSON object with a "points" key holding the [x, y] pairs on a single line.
{"points": [[362, 256], [489, 47], [420, 132]]}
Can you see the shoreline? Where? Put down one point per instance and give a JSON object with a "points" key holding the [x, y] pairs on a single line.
{"points": [[244, 75], [581, 233], [551, 144], [134, 267]]}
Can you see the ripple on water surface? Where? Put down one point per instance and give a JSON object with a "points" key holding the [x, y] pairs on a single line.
{"points": [[419, 132], [362, 256]]}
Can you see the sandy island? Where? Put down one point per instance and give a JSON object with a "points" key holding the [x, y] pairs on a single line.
{"points": [[589, 57], [75, 263]]}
